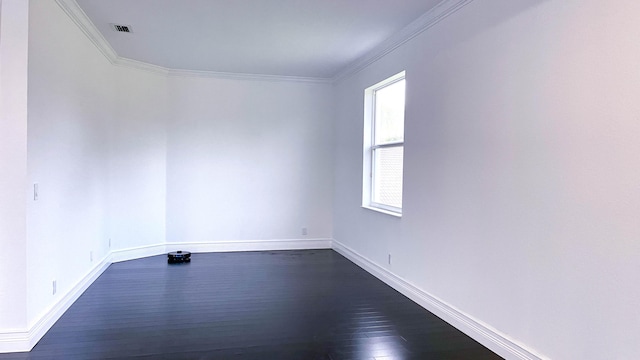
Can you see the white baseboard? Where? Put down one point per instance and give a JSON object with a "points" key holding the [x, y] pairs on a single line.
{"points": [[21, 340], [482, 333], [138, 252], [250, 245], [219, 246], [14, 341]]}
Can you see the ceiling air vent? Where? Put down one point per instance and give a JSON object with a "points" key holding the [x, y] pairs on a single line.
{"points": [[122, 28]]}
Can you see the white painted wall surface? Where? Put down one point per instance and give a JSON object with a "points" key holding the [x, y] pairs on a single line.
{"points": [[248, 160], [137, 169], [521, 177], [522, 171], [14, 30], [71, 106]]}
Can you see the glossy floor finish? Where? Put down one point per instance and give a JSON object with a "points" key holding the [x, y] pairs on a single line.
{"points": [[311, 304]]}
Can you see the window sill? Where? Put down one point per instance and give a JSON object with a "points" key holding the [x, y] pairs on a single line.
{"points": [[388, 212]]}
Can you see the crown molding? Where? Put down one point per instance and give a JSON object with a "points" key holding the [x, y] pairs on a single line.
{"points": [[73, 10], [418, 26], [141, 65], [243, 76], [156, 69]]}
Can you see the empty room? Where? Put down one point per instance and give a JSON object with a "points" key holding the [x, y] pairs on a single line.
{"points": [[406, 179]]}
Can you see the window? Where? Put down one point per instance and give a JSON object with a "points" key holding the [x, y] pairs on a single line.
{"points": [[384, 145]]}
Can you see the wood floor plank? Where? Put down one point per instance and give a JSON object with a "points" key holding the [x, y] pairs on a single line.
{"points": [[307, 304]]}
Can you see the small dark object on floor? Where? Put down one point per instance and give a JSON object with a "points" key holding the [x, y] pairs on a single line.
{"points": [[179, 256]]}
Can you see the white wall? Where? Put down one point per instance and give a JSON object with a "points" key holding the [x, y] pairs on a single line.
{"points": [[71, 101], [137, 170], [521, 195], [97, 148], [521, 187], [248, 160], [14, 29]]}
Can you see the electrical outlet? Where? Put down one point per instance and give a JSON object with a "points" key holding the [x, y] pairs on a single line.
{"points": [[389, 259], [35, 192], [109, 243], [55, 287], [91, 256], [304, 231]]}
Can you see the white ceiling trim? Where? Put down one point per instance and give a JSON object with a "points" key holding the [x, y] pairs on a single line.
{"points": [[241, 76], [424, 22], [140, 65], [418, 26], [81, 19]]}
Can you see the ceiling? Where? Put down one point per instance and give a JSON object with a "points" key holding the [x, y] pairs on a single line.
{"points": [[300, 38]]}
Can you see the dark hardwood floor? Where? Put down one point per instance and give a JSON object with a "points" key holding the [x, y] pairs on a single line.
{"points": [[311, 304]]}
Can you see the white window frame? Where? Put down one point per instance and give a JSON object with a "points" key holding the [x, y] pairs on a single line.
{"points": [[369, 147]]}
